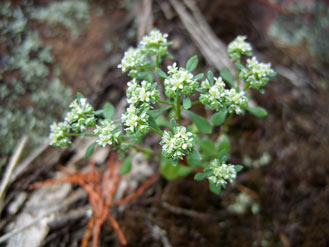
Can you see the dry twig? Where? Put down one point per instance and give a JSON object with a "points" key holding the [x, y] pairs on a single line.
{"points": [[213, 49], [10, 169], [101, 190]]}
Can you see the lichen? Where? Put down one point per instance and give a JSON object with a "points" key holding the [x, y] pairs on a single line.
{"points": [[68, 14], [31, 94]]}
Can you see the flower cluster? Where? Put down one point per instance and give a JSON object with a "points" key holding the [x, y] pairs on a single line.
{"points": [[143, 93], [155, 43], [219, 173], [235, 101], [137, 59], [219, 98], [81, 115], [133, 60], [58, 135], [239, 47], [179, 81], [136, 120], [257, 74], [176, 145], [106, 133]]}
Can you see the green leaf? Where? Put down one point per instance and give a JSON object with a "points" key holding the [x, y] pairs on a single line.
{"points": [[222, 156], [169, 55], [109, 111], [218, 118], [193, 162], [79, 96], [224, 147], [154, 125], [99, 112], [262, 90], [210, 77], [171, 171], [200, 176], [257, 111], [187, 103], [201, 90], [184, 171], [161, 121], [192, 63], [238, 168], [127, 164], [161, 73], [173, 123], [201, 123], [227, 76], [272, 74], [116, 129], [208, 148], [195, 155], [214, 188], [158, 112], [145, 75], [198, 76], [239, 66], [90, 150]]}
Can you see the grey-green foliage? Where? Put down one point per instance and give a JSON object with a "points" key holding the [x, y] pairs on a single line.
{"points": [[69, 14], [295, 29], [30, 96]]}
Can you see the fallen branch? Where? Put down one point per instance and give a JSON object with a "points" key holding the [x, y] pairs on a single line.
{"points": [[10, 169], [101, 190]]}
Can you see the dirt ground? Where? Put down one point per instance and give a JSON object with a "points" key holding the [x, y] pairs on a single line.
{"points": [[292, 191]]}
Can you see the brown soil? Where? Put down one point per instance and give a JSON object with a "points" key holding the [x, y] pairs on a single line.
{"points": [[292, 191]]}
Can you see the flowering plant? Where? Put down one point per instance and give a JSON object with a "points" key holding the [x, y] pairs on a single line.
{"points": [[188, 140]]}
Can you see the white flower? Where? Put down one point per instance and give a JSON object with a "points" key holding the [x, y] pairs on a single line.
{"points": [[106, 134], [235, 101], [58, 134], [257, 74], [239, 47], [132, 61], [155, 43], [143, 94], [218, 98], [177, 144], [135, 120], [81, 115], [220, 174], [179, 80]]}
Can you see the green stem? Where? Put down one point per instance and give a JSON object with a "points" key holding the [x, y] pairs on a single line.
{"points": [[141, 150], [77, 134], [146, 151], [246, 87], [225, 126], [178, 106], [164, 102], [157, 61], [156, 131], [196, 102], [238, 79]]}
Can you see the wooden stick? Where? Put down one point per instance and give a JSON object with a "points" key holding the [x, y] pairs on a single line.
{"points": [[10, 169], [88, 233], [118, 230], [139, 191]]}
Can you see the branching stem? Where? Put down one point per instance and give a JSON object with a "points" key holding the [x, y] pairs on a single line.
{"points": [[178, 110]]}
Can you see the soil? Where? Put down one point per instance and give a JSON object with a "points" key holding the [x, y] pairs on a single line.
{"points": [[292, 190]]}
